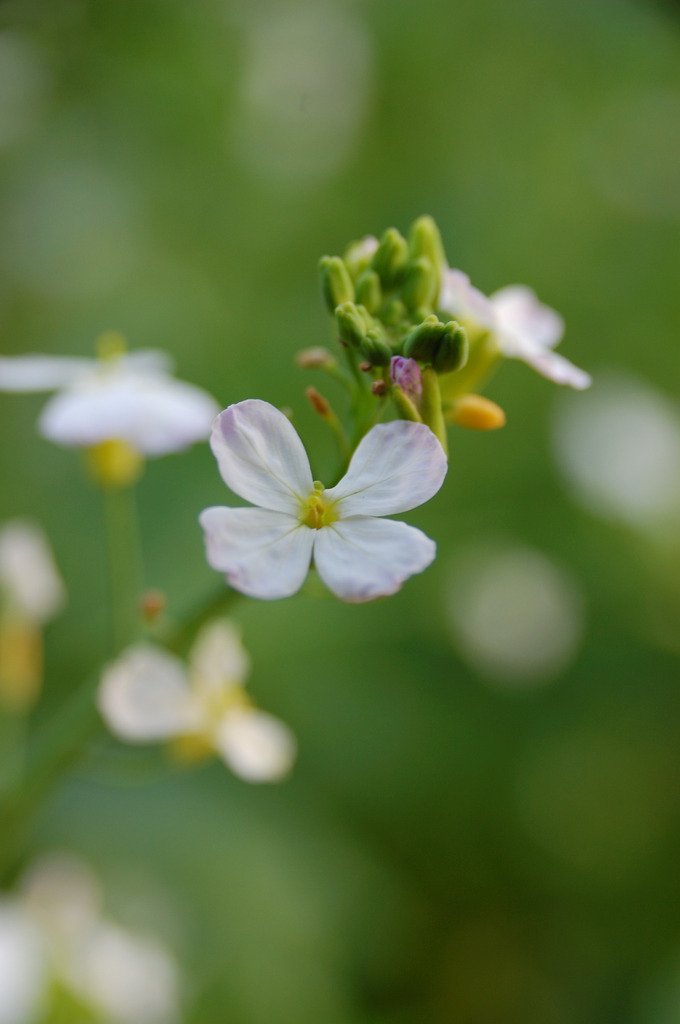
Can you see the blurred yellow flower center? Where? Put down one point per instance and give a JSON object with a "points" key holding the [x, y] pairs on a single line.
{"points": [[216, 702], [21, 662], [115, 463], [110, 346], [318, 511]]}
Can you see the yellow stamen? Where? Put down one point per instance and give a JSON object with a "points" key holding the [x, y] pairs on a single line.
{"points": [[318, 511]]}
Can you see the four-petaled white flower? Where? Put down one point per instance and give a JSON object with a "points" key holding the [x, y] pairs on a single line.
{"points": [[130, 397], [266, 552], [149, 695], [523, 327]]}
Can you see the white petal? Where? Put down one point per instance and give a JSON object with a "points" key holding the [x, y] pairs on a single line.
{"points": [[260, 456], [23, 973], [41, 373], [155, 414], [522, 317], [144, 695], [556, 368], [63, 894], [465, 302], [256, 746], [128, 979], [218, 657], [396, 467], [152, 361], [28, 574], [264, 554], [362, 558]]}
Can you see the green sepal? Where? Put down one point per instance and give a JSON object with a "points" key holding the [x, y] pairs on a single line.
{"points": [[390, 258], [336, 284], [350, 324], [425, 240], [358, 255], [369, 292], [393, 313], [454, 349], [375, 349], [421, 284], [442, 346]]}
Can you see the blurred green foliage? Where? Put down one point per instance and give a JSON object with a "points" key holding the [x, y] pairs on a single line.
{"points": [[446, 851]]}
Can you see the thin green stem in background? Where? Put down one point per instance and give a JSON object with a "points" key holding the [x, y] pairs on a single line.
{"points": [[126, 572]]}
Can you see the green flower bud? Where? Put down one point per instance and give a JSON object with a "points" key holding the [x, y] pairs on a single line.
{"points": [[336, 284], [375, 349], [351, 324], [369, 292], [421, 284], [423, 341], [453, 352], [443, 346], [358, 255], [390, 258], [425, 240], [393, 312]]}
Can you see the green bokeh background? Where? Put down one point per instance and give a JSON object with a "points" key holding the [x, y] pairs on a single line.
{"points": [[153, 184]]}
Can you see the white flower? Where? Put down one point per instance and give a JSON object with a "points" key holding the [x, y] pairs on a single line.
{"points": [[130, 397], [523, 327], [29, 579], [149, 695], [22, 965], [54, 934], [265, 552]]}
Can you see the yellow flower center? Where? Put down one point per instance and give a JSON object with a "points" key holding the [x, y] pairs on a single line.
{"points": [[318, 511], [111, 346], [115, 463]]}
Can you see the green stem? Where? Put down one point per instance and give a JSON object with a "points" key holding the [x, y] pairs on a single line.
{"points": [[431, 406], [125, 563]]}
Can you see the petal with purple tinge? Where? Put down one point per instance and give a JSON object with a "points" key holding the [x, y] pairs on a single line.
{"points": [[260, 456], [263, 554], [396, 467]]}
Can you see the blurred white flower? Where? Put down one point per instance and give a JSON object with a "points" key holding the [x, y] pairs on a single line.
{"points": [[266, 551], [54, 935], [619, 450], [515, 616], [30, 583], [31, 593], [149, 695], [129, 397], [522, 326], [23, 974], [129, 980]]}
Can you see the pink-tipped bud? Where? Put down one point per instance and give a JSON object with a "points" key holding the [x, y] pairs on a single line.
{"points": [[405, 374]]}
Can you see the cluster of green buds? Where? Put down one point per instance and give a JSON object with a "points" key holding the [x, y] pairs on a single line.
{"points": [[396, 340]]}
